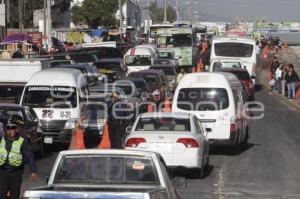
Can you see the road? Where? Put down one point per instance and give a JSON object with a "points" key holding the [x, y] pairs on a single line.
{"points": [[267, 169]]}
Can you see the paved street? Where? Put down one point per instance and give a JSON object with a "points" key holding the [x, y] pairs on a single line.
{"points": [[269, 168]]}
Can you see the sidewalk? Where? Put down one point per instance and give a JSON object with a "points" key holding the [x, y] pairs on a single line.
{"points": [[290, 55]]}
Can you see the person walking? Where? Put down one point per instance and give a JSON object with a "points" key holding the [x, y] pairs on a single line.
{"points": [[180, 75], [291, 78], [278, 75], [14, 152]]}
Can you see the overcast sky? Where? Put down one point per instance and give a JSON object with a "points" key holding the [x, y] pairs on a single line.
{"points": [[228, 10]]}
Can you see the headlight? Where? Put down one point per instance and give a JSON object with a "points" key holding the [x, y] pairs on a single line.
{"points": [[70, 124], [156, 92]]}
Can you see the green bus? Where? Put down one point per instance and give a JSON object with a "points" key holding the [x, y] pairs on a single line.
{"points": [[183, 41]]}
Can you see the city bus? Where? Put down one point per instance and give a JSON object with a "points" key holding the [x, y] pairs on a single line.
{"points": [[183, 41]]}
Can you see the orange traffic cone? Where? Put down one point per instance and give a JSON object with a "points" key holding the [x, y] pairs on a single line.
{"points": [[105, 142], [167, 105], [150, 108], [77, 140]]}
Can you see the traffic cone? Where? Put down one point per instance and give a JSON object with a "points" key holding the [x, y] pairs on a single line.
{"points": [[105, 142], [77, 140], [167, 105], [150, 108]]}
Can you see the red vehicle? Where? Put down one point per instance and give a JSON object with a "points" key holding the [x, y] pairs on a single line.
{"points": [[244, 77]]}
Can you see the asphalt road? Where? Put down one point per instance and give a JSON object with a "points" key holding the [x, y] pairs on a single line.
{"points": [[267, 169]]}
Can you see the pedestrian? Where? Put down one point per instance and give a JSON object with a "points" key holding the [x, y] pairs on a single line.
{"points": [[278, 76], [180, 75], [291, 79], [115, 122], [14, 152], [283, 82], [272, 84]]}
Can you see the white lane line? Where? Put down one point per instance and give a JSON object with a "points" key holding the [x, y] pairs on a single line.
{"points": [[220, 186]]}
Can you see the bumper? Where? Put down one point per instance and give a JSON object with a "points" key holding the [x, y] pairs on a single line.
{"points": [[62, 137], [233, 140]]}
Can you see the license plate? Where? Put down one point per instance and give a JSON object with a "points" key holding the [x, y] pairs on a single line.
{"points": [[48, 140]]}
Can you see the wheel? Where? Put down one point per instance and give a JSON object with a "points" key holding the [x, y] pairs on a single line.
{"points": [[244, 144]]}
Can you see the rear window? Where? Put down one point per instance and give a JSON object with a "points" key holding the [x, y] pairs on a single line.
{"points": [[166, 70], [228, 49], [242, 75], [163, 124], [15, 115], [108, 66], [218, 65], [83, 58], [103, 169], [203, 99]]}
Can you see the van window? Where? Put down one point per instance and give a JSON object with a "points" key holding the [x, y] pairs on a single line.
{"points": [[50, 96], [236, 97], [228, 49], [203, 99], [139, 60]]}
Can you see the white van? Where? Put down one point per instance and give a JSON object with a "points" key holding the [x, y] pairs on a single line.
{"points": [[55, 94], [140, 58], [236, 47], [217, 100]]}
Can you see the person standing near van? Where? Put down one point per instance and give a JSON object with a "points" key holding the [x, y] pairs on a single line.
{"points": [[278, 74], [14, 152], [291, 78]]}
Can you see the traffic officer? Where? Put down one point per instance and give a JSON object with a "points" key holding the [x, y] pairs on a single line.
{"points": [[14, 152]]}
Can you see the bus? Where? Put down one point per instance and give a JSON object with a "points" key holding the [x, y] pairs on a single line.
{"points": [[242, 48], [183, 42], [154, 28]]}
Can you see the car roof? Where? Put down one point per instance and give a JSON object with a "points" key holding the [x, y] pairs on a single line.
{"points": [[157, 72], [79, 65], [109, 152], [162, 66], [166, 114], [135, 79], [6, 105], [58, 77], [232, 70]]}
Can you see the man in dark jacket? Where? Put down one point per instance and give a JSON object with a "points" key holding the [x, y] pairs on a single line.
{"points": [[14, 152], [291, 79]]}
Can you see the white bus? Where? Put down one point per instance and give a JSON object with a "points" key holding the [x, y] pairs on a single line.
{"points": [[236, 47]]}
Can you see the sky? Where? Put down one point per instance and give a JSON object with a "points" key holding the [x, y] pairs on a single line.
{"points": [[228, 10]]}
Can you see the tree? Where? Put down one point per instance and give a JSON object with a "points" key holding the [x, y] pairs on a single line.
{"points": [[157, 13], [95, 13]]}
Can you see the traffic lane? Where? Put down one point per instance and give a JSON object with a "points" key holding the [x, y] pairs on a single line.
{"points": [[267, 168]]}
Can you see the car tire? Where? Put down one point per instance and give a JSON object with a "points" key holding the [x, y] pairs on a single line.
{"points": [[245, 141]]}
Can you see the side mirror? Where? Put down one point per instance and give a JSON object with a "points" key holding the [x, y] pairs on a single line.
{"points": [[179, 183], [208, 130], [47, 180], [128, 129], [245, 67]]}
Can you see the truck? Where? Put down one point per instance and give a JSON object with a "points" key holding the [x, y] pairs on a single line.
{"points": [[107, 174], [14, 74]]}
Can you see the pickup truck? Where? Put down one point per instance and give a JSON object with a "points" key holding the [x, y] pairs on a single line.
{"points": [[114, 174]]}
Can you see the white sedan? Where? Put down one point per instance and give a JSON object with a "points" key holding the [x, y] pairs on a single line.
{"points": [[178, 137]]}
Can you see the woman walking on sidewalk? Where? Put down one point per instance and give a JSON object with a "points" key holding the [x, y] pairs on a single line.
{"points": [[291, 78]]}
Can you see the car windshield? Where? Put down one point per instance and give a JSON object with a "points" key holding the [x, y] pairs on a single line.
{"points": [[163, 124], [165, 55], [228, 49], [166, 70], [203, 99], [12, 114], [138, 60], [128, 90], [151, 79], [140, 85], [104, 169], [50, 96], [107, 66], [176, 40], [218, 65]]}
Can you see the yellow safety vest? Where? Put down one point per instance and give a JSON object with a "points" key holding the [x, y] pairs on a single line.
{"points": [[14, 156]]}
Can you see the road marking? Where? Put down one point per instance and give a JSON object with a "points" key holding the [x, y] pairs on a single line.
{"points": [[220, 186]]}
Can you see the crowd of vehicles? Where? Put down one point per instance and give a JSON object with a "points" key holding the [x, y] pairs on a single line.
{"points": [[206, 108]]}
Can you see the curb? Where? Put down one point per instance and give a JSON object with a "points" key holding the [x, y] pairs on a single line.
{"points": [[293, 104]]}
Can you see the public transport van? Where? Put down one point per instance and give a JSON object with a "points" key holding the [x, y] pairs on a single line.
{"points": [[55, 94], [236, 47], [140, 58], [217, 100]]}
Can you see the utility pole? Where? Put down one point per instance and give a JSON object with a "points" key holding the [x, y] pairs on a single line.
{"points": [[21, 16], [120, 20], [177, 10], [45, 18], [165, 11], [49, 22]]}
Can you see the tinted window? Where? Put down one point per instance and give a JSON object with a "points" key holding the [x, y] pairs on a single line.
{"points": [[203, 99], [106, 170], [163, 124], [138, 60], [176, 40], [218, 65], [82, 58], [242, 75], [166, 70], [228, 49], [107, 66], [11, 114]]}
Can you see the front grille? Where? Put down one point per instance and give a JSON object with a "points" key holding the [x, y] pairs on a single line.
{"points": [[53, 125]]}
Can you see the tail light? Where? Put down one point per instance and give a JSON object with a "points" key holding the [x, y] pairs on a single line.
{"points": [[188, 142], [232, 128], [251, 84], [134, 142]]}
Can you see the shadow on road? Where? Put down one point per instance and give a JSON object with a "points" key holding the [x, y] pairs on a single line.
{"points": [[189, 173], [230, 151]]}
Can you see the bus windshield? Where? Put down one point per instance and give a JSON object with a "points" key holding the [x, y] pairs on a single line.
{"points": [[227, 49], [175, 40], [50, 96]]}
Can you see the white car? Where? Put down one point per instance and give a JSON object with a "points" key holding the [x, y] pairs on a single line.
{"points": [[178, 137]]}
